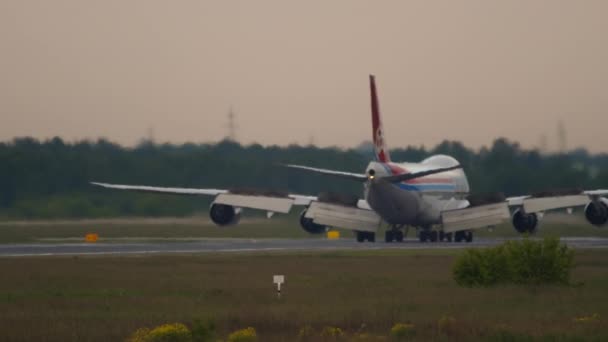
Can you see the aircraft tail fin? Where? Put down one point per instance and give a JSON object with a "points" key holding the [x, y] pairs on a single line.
{"points": [[381, 150]]}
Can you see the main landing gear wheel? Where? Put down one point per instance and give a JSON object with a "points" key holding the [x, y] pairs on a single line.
{"points": [[399, 236], [389, 236], [468, 236], [463, 235], [393, 235], [424, 235], [448, 237], [443, 236], [363, 236], [430, 235]]}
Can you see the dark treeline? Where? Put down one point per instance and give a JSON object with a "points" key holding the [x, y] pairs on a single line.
{"points": [[50, 179]]}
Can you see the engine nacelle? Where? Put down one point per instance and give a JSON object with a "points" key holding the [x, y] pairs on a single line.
{"points": [[309, 226], [224, 215], [524, 223], [596, 213]]}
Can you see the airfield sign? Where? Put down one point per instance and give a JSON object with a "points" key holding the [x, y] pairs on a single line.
{"points": [[278, 279]]}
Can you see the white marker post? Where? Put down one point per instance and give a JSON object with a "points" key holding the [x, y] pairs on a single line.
{"points": [[278, 279]]}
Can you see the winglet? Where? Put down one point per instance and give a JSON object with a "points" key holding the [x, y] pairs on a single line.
{"points": [[381, 150]]}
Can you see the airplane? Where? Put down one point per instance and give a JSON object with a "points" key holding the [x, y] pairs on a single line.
{"points": [[433, 196]]}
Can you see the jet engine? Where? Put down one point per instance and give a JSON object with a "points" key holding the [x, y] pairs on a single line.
{"points": [[309, 226], [596, 213], [524, 223], [224, 215]]}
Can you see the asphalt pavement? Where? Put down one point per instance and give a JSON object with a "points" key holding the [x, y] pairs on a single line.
{"points": [[226, 245]]}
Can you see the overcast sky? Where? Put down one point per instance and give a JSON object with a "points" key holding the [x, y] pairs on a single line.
{"points": [[298, 70]]}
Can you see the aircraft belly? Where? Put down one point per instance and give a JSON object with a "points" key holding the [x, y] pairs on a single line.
{"points": [[394, 205]]}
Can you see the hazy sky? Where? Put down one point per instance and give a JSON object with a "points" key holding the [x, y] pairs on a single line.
{"points": [[292, 70]]}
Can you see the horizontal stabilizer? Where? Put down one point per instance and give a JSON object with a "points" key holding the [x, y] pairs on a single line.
{"points": [[339, 216], [341, 174], [475, 217]]}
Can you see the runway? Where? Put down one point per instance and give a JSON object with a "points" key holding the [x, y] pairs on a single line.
{"points": [[251, 245]]}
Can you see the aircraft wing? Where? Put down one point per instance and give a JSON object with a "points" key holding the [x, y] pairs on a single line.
{"points": [[356, 216], [164, 190], [549, 200], [262, 200]]}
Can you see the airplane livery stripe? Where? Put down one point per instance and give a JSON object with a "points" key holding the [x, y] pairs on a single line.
{"points": [[423, 187], [396, 170]]}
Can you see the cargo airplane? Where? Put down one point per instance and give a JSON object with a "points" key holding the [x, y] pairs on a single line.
{"points": [[433, 196]]}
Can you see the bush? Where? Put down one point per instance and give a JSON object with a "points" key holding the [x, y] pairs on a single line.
{"points": [[402, 331], [526, 262], [332, 333], [140, 335], [243, 335], [306, 333], [176, 332]]}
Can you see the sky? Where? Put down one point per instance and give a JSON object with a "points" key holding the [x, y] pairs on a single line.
{"points": [[297, 71]]}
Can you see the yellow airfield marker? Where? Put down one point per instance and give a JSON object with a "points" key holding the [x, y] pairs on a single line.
{"points": [[91, 237], [333, 234]]}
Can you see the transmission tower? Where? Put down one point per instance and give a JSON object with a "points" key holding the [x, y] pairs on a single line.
{"points": [[231, 125]]}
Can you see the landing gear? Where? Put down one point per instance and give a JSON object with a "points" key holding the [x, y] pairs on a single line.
{"points": [[463, 235], [468, 236], [448, 237], [443, 236], [423, 235], [394, 234], [427, 234], [363, 236]]}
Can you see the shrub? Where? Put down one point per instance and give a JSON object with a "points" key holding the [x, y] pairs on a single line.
{"points": [[332, 333], [306, 333], [540, 262], [140, 335], [402, 331], [243, 335], [587, 319], [176, 332], [525, 262]]}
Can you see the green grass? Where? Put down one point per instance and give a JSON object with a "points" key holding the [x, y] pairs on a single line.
{"points": [[107, 298], [24, 232], [278, 227]]}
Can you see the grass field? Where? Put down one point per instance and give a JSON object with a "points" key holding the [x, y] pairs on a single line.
{"points": [[196, 228], [107, 298]]}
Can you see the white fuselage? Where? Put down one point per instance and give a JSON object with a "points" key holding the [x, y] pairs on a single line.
{"points": [[420, 201]]}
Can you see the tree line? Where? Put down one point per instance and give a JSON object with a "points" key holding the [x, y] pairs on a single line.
{"points": [[50, 179]]}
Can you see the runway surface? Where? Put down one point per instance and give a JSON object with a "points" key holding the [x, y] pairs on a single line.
{"points": [[249, 245]]}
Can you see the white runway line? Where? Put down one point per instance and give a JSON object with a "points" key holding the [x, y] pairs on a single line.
{"points": [[253, 245]]}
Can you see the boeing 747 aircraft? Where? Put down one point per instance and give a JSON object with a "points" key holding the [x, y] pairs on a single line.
{"points": [[433, 196]]}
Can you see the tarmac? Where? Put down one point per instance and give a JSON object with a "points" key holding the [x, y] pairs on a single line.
{"points": [[230, 245]]}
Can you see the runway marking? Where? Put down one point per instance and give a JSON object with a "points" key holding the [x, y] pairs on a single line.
{"points": [[254, 245]]}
